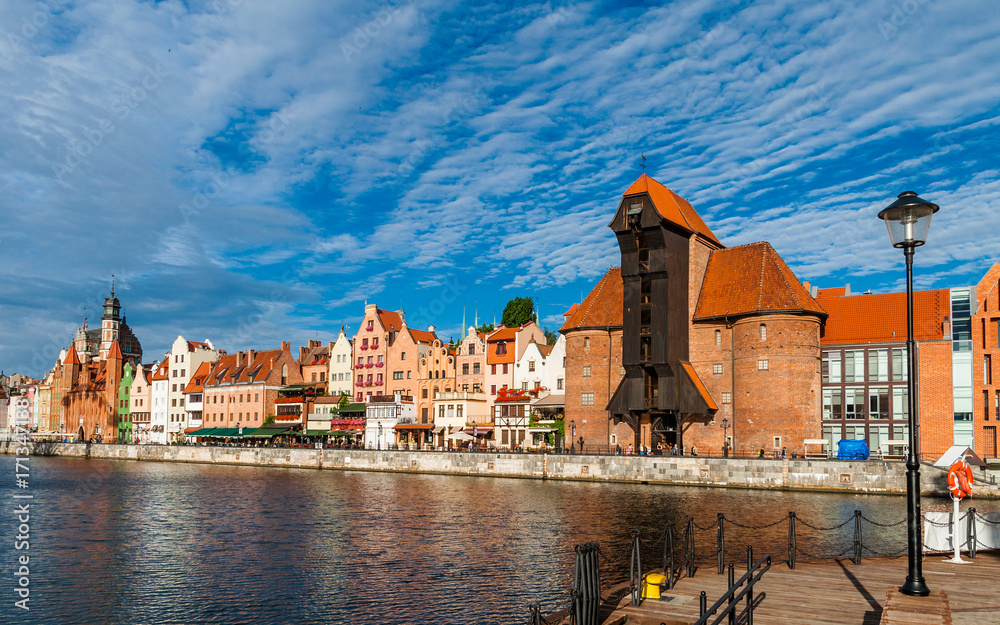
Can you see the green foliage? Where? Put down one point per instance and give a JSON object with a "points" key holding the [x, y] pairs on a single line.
{"points": [[550, 336], [486, 327], [518, 311], [344, 400], [269, 419]]}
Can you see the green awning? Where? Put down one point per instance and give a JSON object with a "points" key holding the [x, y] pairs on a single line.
{"points": [[316, 433], [342, 433], [264, 432], [226, 433], [202, 432]]}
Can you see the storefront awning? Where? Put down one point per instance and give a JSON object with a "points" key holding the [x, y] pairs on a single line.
{"points": [[413, 426], [264, 432], [438, 429], [316, 433], [226, 433], [201, 432], [190, 431], [479, 431]]}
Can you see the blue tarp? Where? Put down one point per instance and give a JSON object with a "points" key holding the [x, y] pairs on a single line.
{"points": [[852, 450]]}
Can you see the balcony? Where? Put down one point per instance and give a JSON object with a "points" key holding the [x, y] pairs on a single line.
{"points": [[459, 396]]}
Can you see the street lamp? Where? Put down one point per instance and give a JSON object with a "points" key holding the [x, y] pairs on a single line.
{"points": [[725, 438], [908, 220]]}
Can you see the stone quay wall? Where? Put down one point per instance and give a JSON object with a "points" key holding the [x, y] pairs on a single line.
{"points": [[872, 477]]}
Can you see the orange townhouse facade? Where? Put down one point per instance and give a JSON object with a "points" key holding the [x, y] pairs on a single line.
{"points": [[241, 389]]}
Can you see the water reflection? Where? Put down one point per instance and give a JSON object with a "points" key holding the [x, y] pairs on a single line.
{"points": [[131, 542]]}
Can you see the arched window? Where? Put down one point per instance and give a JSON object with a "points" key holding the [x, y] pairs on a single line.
{"points": [[586, 342], [284, 375], [718, 337], [763, 332]]}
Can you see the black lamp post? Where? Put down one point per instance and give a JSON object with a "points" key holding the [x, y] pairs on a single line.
{"points": [[725, 438], [908, 220], [379, 436]]}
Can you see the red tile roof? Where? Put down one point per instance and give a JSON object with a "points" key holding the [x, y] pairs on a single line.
{"points": [[751, 279], [671, 206], [572, 309], [390, 320], [698, 384], [192, 345], [115, 353], [72, 358], [602, 307], [503, 334], [881, 317], [422, 336], [837, 291], [161, 371], [197, 383], [545, 350]]}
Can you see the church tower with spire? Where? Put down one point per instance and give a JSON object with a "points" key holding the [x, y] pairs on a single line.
{"points": [[110, 322]]}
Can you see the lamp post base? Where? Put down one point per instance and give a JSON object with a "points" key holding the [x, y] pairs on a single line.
{"points": [[915, 588]]}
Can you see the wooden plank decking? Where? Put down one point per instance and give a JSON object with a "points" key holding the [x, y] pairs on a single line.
{"points": [[836, 593]]}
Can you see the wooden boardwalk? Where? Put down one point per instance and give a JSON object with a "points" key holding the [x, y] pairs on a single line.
{"points": [[833, 593]]}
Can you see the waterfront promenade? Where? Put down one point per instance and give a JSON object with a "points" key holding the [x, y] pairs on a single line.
{"points": [[836, 592], [841, 476]]}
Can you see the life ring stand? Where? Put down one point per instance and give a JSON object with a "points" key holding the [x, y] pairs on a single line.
{"points": [[960, 480]]}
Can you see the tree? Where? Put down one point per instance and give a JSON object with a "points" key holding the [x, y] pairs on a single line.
{"points": [[486, 327], [550, 336], [518, 311]]}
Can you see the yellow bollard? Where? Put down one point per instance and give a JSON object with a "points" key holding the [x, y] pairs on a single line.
{"points": [[651, 589]]}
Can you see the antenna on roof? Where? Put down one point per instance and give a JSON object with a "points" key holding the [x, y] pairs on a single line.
{"points": [[112, 284], [643, 162]]}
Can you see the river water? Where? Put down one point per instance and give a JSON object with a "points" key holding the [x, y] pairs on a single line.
{"points": [[147, 542]]}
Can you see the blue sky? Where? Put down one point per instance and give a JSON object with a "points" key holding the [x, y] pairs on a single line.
{"points": [[254, 171]]}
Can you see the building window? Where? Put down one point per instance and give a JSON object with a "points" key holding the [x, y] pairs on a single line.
{"points": [[402, 356], [586, 371], [175, 388], [878, 365], [831, 367], [524, 386], [586, 399], [459, 411], [727, 398], [472, 349], [424, 393], [763, 332], [777, 442], [465, 368], [900, 406], [409, 374], [717, 368], [559, 384], [493, 389], [493, 369], [531, 365], [718, 337], [475, 368], [854, 403], [832, 403], [505, 368], [899, 365], [878, 403], [256, 397], [987, 369], [322, 376], [986, 405], [762, 365], [173, 402], [586, 342], [397, 375], [854, 366], [314, 377]]}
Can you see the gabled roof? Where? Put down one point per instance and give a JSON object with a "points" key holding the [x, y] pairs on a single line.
{"points": [[836, 291], [197, 383], [671, 206], [72, 358], [422, 336], [881, 317], [751, 279], [698, 384], [545, 350], [192, 345], [161, 371], [390, 320], [115, 352], [503, 334], [572, 309], [601, 308]]}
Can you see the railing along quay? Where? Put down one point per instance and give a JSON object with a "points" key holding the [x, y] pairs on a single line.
{"points": [[861, 538]]}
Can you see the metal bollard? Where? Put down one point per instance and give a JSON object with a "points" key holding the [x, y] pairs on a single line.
{"points": [[668, 555], [732, 594], [749, 586], [721, 543], [792, 541], [689, 546], [972, 539], [857, 537], [703, 604]]}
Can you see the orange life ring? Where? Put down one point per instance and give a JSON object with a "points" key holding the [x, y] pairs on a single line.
{"points": [[960, 479]]}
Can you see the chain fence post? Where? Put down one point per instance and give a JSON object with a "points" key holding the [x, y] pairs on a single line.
{"points": [[792, 544], [689, 546], [635, 570], [972, 539], [668, 555], [749, 585], [857, 537], [721, 543]]}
